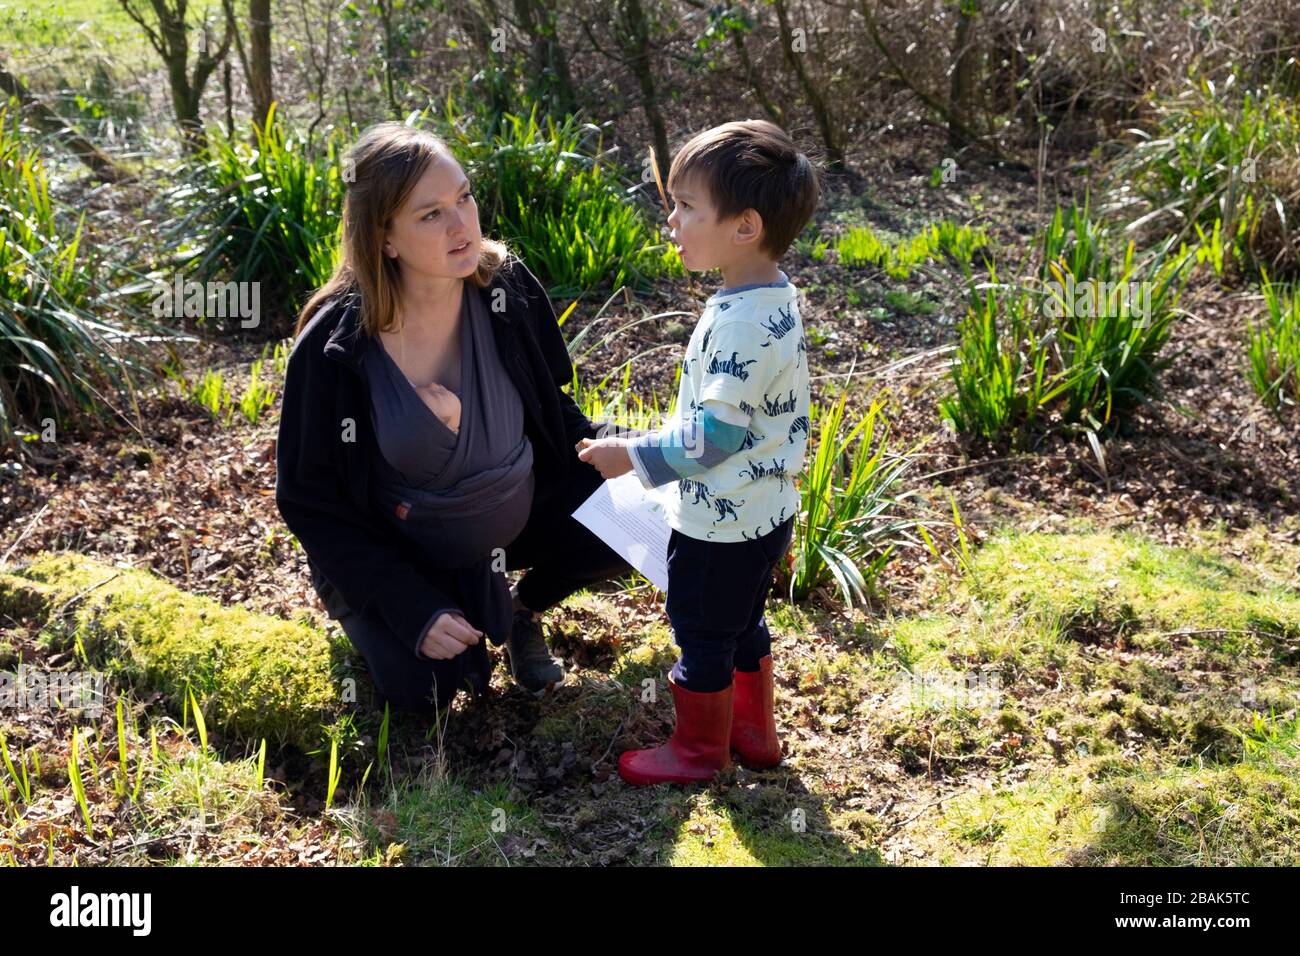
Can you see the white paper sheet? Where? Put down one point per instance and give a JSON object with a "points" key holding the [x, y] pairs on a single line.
{"points": [[631, 521]]}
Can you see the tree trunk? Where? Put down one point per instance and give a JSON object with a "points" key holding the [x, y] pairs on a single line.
{"points": [[936, 104], [816, 102], [962, 84], [479, 29], [256, 59], [634, 38], [549, 58], [259, 59], [386, 21], [227, 91], [752, 78], [51, 122], [168, 33]]}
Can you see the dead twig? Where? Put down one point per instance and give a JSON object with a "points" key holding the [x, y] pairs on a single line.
{"points": [[31, 524]]}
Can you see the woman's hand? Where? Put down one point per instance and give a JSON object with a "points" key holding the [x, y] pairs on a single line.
{"points": [[442, 402], [609, 456], [449, 635]]}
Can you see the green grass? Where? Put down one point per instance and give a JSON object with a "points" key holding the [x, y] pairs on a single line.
{"points": [[84, 59], [185, 783], [1119, 660], [67, 351], [862, 245], [1075, 345], [1273, 347], [812, 245], [852, 505], [156, 786], [270, 214], [1000, 373], [553, 192], [1150, 594], [616, 405], [19, 776], [210, 393], [85, 26], [1180, 751], [1082, 643], [1109, 812], [436, 818], [1110, 340], [909, 303], [258, 396], [1220, 154], [763, 830]]}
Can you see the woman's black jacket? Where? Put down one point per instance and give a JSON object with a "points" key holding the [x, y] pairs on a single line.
{"points": [[326, 451]]}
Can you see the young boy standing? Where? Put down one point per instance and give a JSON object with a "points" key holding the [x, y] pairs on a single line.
{"points": [[742, 192]]}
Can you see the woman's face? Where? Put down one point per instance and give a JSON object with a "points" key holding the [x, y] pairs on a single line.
{"points": [[436, 233]]}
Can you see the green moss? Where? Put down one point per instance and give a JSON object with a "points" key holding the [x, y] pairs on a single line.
{"points": [[1138, 677], [1035, 823], [978, 640], [1266, 548], [921, 642], [1103, 585], [647, 656], [1107, 811], [1051, 716], [728, 832], [1237, 816], [254, 675], [1012, 720], [927, 743], [1136, 701], [837, 680]]}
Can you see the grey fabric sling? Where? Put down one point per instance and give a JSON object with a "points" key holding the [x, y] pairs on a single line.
{"points": [[458, 496]]}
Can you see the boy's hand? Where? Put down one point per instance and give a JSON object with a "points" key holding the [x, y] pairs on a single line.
{"points": [[609, 456]]}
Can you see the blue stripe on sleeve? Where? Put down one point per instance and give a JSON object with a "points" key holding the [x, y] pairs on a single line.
{"points": [[682, 450]]}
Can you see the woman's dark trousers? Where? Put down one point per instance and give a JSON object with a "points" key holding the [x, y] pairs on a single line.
{"points": [[563, 557]]}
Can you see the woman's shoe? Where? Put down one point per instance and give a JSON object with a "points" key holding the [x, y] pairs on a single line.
{"points": [[531, 664], [698, 748], [753, 724]]}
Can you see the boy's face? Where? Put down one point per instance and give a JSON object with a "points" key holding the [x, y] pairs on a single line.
{"points": [[702, 241]]}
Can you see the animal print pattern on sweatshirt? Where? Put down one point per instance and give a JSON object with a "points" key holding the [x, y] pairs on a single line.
{"points": [[748, 351]]}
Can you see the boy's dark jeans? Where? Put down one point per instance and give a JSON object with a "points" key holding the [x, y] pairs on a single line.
{"points": [[716, 594]]}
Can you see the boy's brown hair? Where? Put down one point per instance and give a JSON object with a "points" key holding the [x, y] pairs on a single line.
{"points": [[753, 164]]}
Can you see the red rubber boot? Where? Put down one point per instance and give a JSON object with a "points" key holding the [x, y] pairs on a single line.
{"points": [[698, 748], [753, 725]]}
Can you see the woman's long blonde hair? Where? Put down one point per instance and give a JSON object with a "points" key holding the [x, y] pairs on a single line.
{"points": [[383, 167]]}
